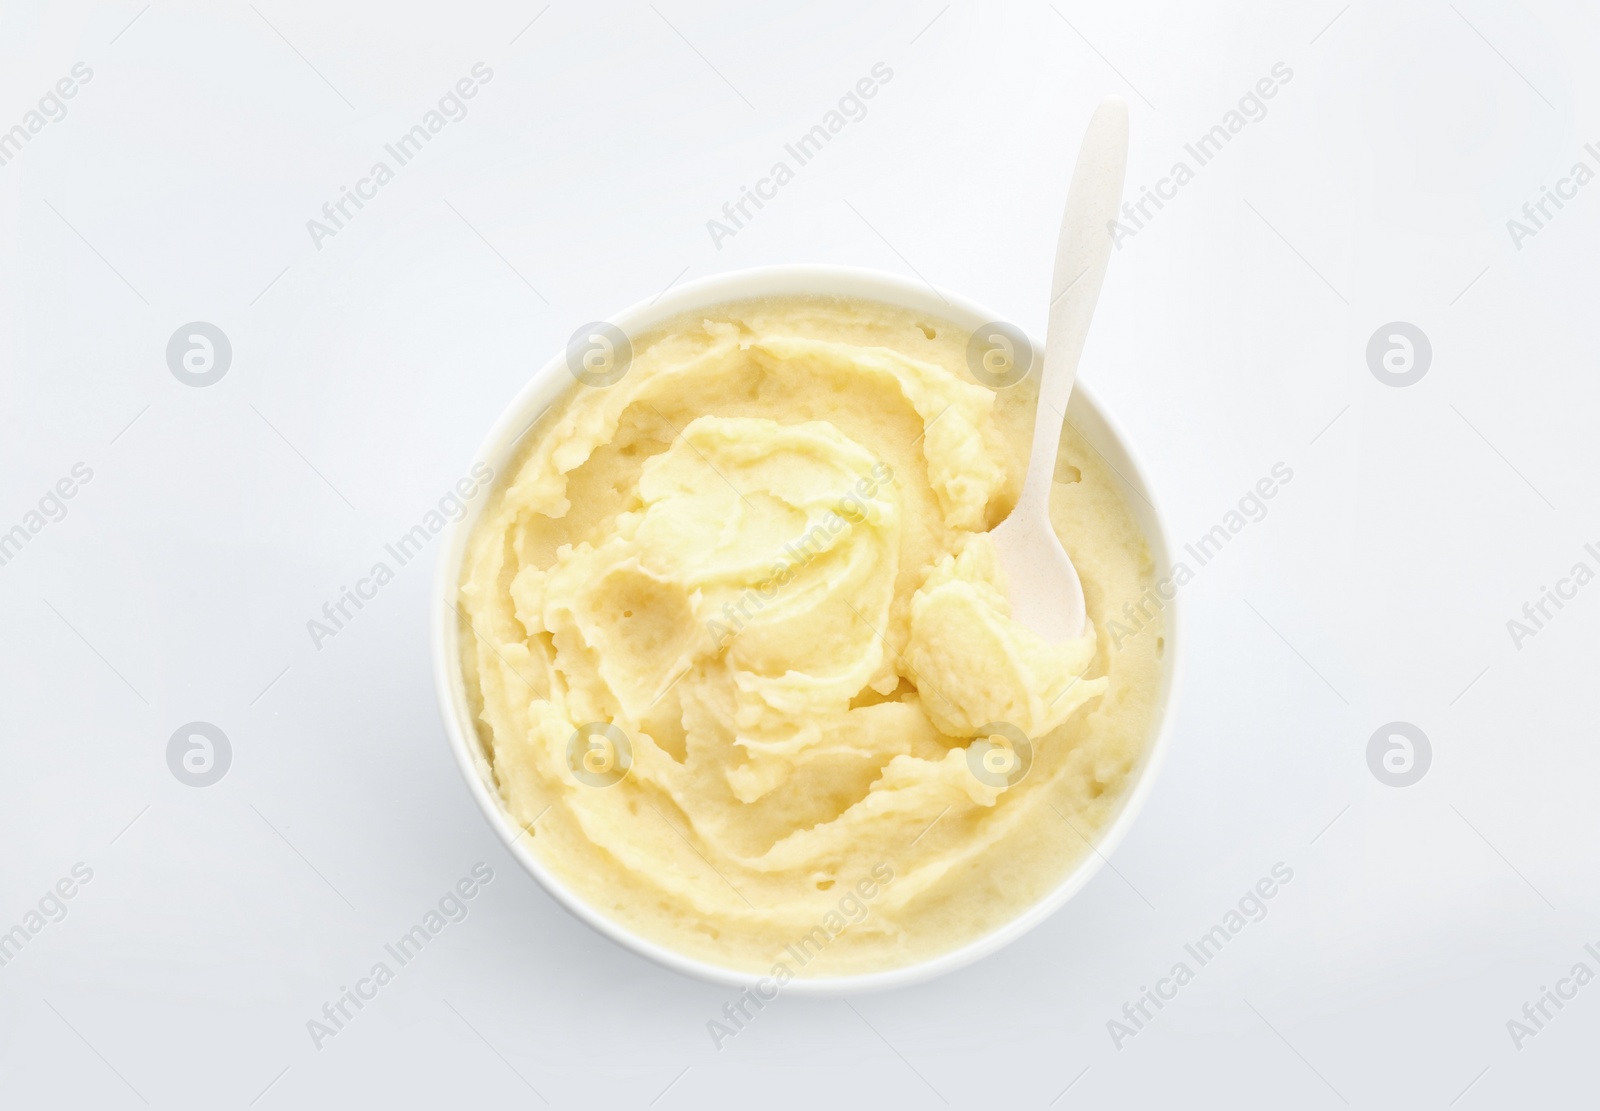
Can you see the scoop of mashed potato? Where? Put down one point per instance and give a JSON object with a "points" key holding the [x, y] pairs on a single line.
{"points": [[742, 657]]}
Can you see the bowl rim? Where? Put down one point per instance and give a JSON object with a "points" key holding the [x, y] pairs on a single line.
{"points": [[549, 384]]}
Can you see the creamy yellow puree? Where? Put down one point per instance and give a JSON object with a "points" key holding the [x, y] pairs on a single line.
{"points": [[743, 662]]}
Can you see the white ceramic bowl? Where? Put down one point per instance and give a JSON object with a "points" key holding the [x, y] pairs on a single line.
{"points": [[1086, 415]]}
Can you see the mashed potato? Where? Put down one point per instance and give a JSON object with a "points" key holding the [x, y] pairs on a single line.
{"points": [[742, 659]]}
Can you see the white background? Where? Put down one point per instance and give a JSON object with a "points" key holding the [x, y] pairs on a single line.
{"points": [[1231, 336]]}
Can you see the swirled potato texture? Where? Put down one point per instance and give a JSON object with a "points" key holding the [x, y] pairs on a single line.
{"points": [[743, 662]]}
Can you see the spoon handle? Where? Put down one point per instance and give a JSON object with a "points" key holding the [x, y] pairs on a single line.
{"points": [[1081, 258]]}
